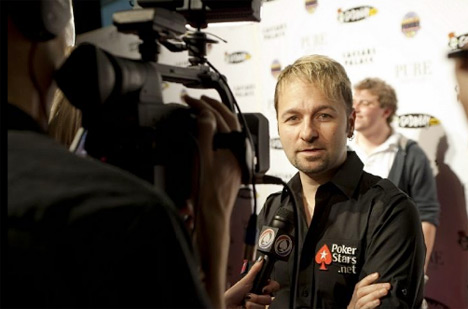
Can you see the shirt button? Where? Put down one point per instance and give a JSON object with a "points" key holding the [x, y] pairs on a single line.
{"points": [[404, 292], [305, 293]]}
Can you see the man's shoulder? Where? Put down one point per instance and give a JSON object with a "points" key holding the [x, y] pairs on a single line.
{"points": [[53, 175], [405, 143], [270, 207], [382, 190], [388, 198]]}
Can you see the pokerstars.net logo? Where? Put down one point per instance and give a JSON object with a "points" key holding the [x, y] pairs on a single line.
{"points": [[345, 256]]}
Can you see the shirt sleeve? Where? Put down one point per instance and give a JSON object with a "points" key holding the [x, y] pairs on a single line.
{"points": [[422, 186], [395, 249]]}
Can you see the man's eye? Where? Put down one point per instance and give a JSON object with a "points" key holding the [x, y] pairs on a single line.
{"points": [[291, 118], [324, 116]]}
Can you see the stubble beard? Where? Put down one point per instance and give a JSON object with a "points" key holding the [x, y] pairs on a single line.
{"points": [[311, 167]]}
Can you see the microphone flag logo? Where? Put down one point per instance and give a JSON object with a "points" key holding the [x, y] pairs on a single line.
{"points": [[323, 257], [266, 238]]}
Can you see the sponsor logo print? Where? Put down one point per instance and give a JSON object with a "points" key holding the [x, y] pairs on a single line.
{"points": [[359, 57], [313, 41], [311, 5], [415, 70], [356, 14], [274, 31], [275, 68], [323, 257], [236, 57], [457, 42], [410, 24], [266, 238], [416, 121], [345, 256], [244, 90], [283, 245]]}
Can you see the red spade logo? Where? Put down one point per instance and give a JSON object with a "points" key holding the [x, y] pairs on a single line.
{"points": [[323, 257]]}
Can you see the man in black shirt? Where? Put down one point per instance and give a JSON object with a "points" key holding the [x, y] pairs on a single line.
{"points": [[352, 224]]}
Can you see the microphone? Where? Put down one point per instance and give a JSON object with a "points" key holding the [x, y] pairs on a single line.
{"points": [[276, 242]]}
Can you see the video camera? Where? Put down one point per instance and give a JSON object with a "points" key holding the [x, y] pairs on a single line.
{"points": [[126, 121]]}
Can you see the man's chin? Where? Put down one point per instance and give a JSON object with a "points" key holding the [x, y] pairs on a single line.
{"points": [[311, 167]]}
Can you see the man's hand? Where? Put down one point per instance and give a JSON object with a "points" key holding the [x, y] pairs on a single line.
{"points": [[367, 294], [238, 295]]}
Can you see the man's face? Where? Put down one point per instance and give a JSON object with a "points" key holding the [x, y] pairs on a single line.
{"points": [[312, 129], [370, 117]]}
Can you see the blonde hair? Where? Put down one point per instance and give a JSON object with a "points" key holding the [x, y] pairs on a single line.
{"points": [[325, 73], [386, 94], [64, 121]]}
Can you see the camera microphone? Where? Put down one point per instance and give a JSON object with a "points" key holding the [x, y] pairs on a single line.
{"points": [[276, 242]]}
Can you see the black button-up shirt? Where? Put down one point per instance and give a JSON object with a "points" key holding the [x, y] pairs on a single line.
{"points": [[361, 224]]}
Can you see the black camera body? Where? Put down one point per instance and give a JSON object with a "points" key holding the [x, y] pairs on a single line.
{"points": [[126, 121]]}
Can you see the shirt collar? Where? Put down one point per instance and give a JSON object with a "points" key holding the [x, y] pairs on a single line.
{"points": [[391, 143], [346, 179]]}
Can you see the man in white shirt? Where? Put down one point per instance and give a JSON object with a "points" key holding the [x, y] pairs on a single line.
{"points": [[391, 155]]}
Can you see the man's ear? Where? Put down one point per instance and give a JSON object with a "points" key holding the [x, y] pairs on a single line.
{"points": [[388, 112], [351, 119]]}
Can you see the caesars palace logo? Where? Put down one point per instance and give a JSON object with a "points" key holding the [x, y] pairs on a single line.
{"points": [[416, 121], [339, 253], [359, 57], [457, 42], [356, 14], [410, 24]]}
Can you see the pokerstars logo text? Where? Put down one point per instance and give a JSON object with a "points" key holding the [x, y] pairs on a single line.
{"points": [[342, 254]]}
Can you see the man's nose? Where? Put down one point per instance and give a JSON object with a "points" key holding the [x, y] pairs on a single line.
{"points": [[309, 131], [356, 105]]}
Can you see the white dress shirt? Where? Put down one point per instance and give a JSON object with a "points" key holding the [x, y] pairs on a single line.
{"points": [[380, 160]]}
